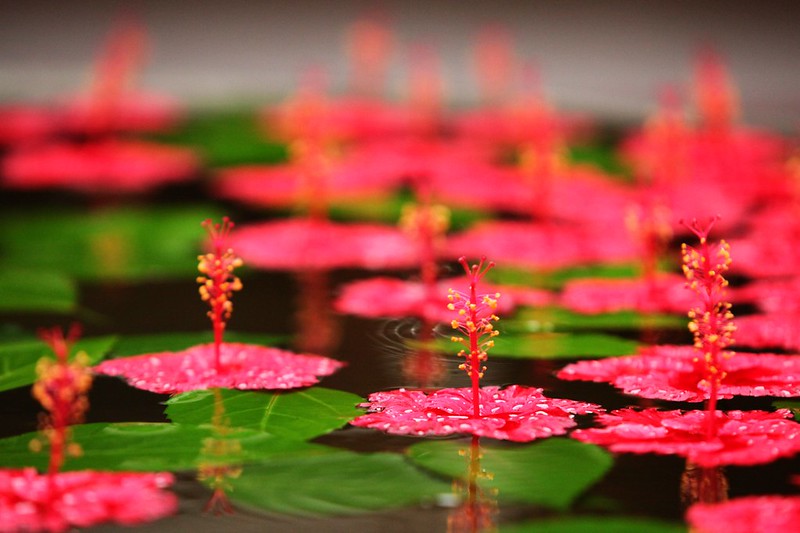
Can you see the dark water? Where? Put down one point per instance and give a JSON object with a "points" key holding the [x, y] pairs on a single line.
{"points": [[273, 303]]}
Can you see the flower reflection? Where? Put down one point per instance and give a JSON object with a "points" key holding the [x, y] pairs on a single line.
{"points": [[703, 484], [217, 455], [58, 500], [478, 505]]}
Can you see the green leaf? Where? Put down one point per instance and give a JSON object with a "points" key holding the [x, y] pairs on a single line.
{"points": [[557, 278], [389, 209], [156, 446], [562, 345], [173, 342], [598, 524], [117, 244], [37, 291], [299, 415], [18, 358], [341, 483], [548, 319], [551, 473], [227, 138], [551, 345], [603, 157]]}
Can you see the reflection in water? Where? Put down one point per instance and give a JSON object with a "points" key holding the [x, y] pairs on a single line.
{"points": [[703, 485], [216, 469], [111, 251], [478, 506], [423, 366], [317, 328]]}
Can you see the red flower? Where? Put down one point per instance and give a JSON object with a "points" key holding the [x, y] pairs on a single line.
{"points": [[388, 297], [33, 502], [217, 282], [769, 331], [663, 293], [741, 438], [753, 514], [288, 185], [771, 296], [25, 124], [674, 373], [242, 366], [515, 413], [544, 246], [108, 166], [319, 244]]}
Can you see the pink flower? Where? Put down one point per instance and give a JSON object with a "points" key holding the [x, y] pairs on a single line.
{"points": [[388, 297], [771, 295], [763, 253], [33, 502], [515, 413], [675, 373], [24, 124], [664, 293], [130, 111], [288, 185], [544, 246], [319, 244], [242, 366], [769, 330], [753, 514], [741, 438], [108, 166]]}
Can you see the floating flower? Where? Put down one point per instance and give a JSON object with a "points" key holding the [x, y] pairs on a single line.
{"points": [[319, 244], [62, 388], [242, 366], [741, 438], [33, 502], [57, 501], [107, 166], [288, 185], [474, 324], [514, 413], [771, 330], [778, 296], [220, 364], [389, 297], [25, 124], [217, 282], [111, 105], [752, 514], [544, 246], [671, 373], [663, 293]]}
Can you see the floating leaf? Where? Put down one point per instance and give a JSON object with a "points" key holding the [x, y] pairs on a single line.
{"points": [[227, 138], [105, 244], [603, 157], [555, 345], [299, 415], [389, 209], [341, 483], [37, 291], [555, 279], [551, 473], [18, 358], [139, 446], [599, 524], [557, 319], [173, 342]]}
